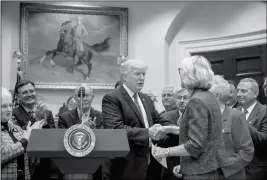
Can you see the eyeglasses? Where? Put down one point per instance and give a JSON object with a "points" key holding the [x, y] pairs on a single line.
{"points": [[5, 107], [179, 70], [183, 97]]}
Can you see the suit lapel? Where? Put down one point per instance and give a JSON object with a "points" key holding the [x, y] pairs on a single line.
{"points": [[253, 115], [148, 114], [129, 100], [24, 116]]}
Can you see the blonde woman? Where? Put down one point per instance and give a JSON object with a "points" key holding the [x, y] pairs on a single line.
{"points": [[200, 139]]}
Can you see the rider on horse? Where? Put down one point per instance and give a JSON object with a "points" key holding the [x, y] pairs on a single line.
{"points": [[79, 32]]}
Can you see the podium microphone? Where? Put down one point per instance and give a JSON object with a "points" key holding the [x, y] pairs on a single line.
{"points": [[81, 94]]}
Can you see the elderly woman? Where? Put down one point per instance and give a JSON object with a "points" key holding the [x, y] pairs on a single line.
{"points": [[201, 142], [238, 143], [14, 160]]}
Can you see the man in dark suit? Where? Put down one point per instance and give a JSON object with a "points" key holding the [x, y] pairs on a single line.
{"points": [[30, 109], [182, 96], [82, 115], [127, 108], [256, 118], [79, 115]]}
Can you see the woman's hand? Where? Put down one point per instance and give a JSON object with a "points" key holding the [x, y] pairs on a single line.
{"points": [[161, 152], [176, 171]]}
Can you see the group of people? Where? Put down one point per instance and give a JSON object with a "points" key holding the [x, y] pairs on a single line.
{"points": [[210, 128]]}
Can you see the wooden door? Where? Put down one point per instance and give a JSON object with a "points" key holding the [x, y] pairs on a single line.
{"points": [[236, 64]]}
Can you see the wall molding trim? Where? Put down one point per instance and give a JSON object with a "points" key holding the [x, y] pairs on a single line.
{"points": [[224, 42]]}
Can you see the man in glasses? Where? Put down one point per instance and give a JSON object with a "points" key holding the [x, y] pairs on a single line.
{"points": [[82, 115], [79, 115], [182, 96]]}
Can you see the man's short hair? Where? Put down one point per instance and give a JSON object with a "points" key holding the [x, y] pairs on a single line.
{"points": [[23, 83], [85, 85], [181, 90], [170, 88], [254, 84], [130, 64]]}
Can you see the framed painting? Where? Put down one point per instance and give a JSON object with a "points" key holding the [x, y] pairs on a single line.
{"points": [[64, 46]]}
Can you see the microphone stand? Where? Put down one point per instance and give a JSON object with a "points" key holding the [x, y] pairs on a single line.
{"points": [[81, 100], [81, 94]]}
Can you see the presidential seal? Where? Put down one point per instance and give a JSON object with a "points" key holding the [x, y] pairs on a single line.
{"points": [[79, 140]]}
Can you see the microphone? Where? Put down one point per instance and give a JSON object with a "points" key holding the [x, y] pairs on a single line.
{"points": [[81, 94]]}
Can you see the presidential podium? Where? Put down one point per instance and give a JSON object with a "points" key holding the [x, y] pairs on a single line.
{"points": [[48, 143]]}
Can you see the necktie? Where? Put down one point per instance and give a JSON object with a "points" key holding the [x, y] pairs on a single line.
{"points": [[32, 115], [136, 103], [245, 111]]}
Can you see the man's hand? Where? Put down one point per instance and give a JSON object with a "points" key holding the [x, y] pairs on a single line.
{"points": [[40, 110], [156, 132], [29, 128], [90, 123]]}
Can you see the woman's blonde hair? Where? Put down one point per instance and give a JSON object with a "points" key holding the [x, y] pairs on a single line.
{"points": [[196, 73], [221, 86]]}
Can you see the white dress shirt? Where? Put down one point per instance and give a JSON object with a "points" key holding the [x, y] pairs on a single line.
{"points": [[143, 111], [249, 110]]}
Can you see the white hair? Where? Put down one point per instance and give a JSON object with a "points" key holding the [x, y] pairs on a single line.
{"points": [[196, 73], [130, 64], [5, 94], [221, 86], [86, 86], [170, 88], [253, 84]]}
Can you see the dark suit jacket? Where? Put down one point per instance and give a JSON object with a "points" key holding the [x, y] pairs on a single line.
{"points": [[23, 117], [120, 112], [201, 134], [239, 148], [257, 122], [167, 174], [69, 118]]}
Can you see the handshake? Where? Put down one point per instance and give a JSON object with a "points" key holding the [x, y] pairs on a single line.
{"points": [[157, 132]]}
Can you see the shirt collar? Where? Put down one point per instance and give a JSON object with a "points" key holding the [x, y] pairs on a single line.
{"points": [[27, 109], [128, 90], [87, 112], [250, 108]]}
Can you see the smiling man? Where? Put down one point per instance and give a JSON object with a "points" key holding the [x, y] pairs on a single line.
{"points": [[256, 118], [30, 109]]}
